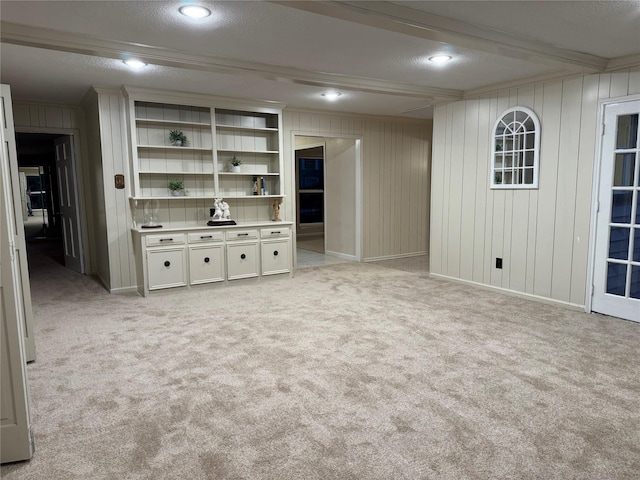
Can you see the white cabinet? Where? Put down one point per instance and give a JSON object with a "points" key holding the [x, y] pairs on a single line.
{"points": [[185, 257], [275, 250], [242, 260], [166, 267]]}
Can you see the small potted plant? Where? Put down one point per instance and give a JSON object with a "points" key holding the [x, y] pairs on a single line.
{"points": [[177, 138], [235, 164], [176, 187]]}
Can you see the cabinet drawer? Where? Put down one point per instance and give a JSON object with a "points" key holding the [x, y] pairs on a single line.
{"points": [[242, 234], [242, 260], [274, 232], [166, 239], [206, 264], [166, 268], [276, 257], [206, 237]]}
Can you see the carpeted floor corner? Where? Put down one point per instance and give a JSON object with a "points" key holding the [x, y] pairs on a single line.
{"points": [[347, 371]]}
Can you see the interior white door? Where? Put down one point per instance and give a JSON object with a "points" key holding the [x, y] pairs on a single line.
{"points": [[17, 227], [69, 207], [617, 249], [15, 419]]}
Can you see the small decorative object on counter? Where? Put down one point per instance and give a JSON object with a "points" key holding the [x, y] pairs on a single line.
{"points": [[176, 187], [177, 138], [276, 210], [220, 214], [235, 164], [151, 218]]}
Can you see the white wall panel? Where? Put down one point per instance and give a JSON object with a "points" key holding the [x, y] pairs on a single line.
{"points": [[542, 235]]}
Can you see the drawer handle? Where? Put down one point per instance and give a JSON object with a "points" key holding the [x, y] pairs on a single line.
{"points": [[275, 253], [167, 263], [166, 239], [243, 256], [243, 234], [206, 236], [275, 233], [206, 259]]}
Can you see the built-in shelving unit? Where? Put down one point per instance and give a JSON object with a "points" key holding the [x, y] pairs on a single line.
{"points": [[215, 134]]}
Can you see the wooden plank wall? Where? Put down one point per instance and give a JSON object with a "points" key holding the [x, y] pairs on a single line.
{"points": [[116, 160], [396, 162], [542, 235]]}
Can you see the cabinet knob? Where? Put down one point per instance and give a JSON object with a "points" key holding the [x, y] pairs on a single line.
{"points": [[206, 259], [167, 263], [243, 256], [275, 253]]}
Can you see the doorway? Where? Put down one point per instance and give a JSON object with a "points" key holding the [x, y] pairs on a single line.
{"points": [[310, 201], [616, 273], [49, 197], [335, 214]]}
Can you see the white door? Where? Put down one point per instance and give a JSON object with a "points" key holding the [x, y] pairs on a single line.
{"points": [[69, 207], [10, 160], [617, 250], [15, 420]]}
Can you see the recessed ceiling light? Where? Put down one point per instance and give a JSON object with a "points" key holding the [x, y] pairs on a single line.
{"points": [[331, 95], [134, 63], [194, 11], [440, 58]]}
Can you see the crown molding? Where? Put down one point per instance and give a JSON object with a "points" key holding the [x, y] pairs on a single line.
{"points": [[87, 45], [409, 21], [628, 61]]}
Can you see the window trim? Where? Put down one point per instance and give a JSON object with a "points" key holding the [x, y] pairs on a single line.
{"points": [[536, 151]]}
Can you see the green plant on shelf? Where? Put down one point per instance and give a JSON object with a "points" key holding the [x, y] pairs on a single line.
{"points": [[236, 162], [177, 138], [176, 185]]}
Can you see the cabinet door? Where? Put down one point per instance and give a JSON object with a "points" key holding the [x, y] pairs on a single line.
{"points": [[206, 264], [166, 268], [276, 257], [242, 260]]}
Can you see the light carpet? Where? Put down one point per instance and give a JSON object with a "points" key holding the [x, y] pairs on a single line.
{"points": [[347, 371]]}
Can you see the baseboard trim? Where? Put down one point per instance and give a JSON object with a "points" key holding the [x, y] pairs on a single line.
{"points": [[513, 293], [353, 258], [393, 257], [124, 290]]}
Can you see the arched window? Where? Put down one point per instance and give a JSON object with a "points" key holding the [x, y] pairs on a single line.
{"points": [[516, 143]]}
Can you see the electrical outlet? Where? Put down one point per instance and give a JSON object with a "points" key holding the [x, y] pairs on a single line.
{"points": [[498, 262]]}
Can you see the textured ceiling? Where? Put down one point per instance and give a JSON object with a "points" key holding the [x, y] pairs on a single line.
{"points": [[290, 52]]}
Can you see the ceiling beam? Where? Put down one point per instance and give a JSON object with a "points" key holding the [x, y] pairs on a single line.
{"points": [[86, 45], [409, 21]]}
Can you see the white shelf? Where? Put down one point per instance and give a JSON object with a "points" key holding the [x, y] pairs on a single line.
{"points": [[255, 197], [247, 174], [247, 129], [172, 122], [162, 147], [175, 197], [229, 150], [173, 172]]}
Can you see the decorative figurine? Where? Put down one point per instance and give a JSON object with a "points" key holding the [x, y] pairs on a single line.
{"points": [[224, 206], [276, 210], [220, 214]]}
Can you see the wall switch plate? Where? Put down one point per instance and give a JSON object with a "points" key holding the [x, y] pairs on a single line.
{"points": [[498, 262]]}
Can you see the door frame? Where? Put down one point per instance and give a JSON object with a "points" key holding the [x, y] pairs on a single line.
{"points": [[595, 192], [76, 138], [358, 186]]}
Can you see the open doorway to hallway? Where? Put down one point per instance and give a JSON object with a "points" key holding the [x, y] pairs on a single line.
{"points": [[39, 193]]}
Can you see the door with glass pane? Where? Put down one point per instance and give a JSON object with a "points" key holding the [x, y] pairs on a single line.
{"points": [[617, 256]]}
